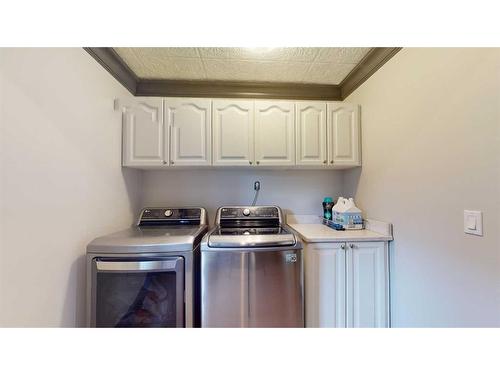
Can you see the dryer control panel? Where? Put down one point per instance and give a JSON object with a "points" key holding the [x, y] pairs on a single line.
{"points": [[172, 216]]}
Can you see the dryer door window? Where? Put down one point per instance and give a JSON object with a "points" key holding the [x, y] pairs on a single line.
{"points": [[138, 292]]}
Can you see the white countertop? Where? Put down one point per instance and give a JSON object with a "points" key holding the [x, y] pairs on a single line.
{"points": [[322, 233], [310, 229]]}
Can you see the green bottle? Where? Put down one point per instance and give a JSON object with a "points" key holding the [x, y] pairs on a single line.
{"points": [[327, 208]]}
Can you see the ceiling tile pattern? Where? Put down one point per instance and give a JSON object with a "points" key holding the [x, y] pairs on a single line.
{"points": [[300, 65]]}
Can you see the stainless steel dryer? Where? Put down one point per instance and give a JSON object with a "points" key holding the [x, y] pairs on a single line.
{"points": [[147, 276], [251, 270]]}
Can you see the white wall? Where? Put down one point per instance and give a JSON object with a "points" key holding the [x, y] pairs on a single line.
{"points": [[296, 191], [431, 149], [61, 183]]}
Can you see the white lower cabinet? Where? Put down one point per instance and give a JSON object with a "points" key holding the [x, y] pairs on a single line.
{"points": [[347, 284]]}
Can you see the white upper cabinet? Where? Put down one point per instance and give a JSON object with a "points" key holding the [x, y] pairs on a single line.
{"points": [[311, 133], [233, 132], [145, 143], [274, 133], [367, 284], [189, 123], [238, 132], [343, 134]]}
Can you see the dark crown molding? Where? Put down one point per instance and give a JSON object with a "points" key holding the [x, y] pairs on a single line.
{"points": [[110, 60], [114, 64], [372, 62], [224, 89]]}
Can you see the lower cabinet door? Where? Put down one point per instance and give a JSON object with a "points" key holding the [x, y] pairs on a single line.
{"points": [[367, 284], [325, 285]]}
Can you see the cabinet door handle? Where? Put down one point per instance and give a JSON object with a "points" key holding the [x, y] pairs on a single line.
{"points": [[331, 161], [342, 247], [164, 162], [351, 245], [258, 162], [324, 161], [250, 162], [172, 162]]}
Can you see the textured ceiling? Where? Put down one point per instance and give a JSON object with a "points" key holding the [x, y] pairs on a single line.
{"points": [[305, 65]]}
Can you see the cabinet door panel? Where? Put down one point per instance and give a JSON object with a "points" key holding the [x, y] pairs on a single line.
{"points": [[325, 285], [189, 121], [311, 133], [233, 122], [274, 133], [143, 133], [343, 134], [367, 285]]}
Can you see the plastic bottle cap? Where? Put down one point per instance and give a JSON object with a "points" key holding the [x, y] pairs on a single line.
{"points": [[328, 200]]}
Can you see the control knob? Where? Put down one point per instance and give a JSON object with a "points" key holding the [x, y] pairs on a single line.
{"points": [[246, 211], [168, 213]]}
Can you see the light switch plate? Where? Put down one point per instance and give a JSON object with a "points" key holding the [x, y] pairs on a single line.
{"points": [[473, 222]]}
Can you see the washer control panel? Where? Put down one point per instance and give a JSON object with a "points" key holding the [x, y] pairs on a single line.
{"points": [[250, 212]]}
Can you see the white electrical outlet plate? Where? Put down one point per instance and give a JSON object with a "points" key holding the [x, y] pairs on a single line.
{"points": [[473, 222]]}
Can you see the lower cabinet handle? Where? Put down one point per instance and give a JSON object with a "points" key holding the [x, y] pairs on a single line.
{"points": [[351, 245], [342, 247], [258, 162], [250, 162]]}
